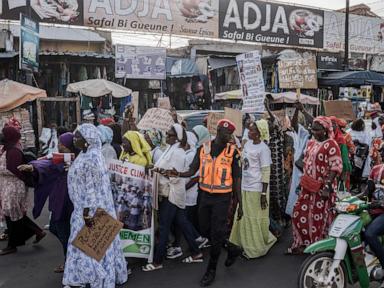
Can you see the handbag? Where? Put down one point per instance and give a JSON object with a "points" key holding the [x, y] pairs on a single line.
{"points": [[310, 184]]}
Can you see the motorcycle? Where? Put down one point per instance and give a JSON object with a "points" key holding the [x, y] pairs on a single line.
{"points": [[341, 258]]}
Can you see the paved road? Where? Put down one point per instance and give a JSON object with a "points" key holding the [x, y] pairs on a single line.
{"points": [[32, 267]]}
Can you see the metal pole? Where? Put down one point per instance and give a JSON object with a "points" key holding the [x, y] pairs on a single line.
{"points": [[346, 39]]}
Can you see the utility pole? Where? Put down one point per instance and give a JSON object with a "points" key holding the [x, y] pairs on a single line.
{"points": [[346, 38]]}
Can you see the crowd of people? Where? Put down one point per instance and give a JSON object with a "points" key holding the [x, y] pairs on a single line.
{"points": [[215, 191]]}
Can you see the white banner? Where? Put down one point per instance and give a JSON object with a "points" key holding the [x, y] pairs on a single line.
{"points": [[251, 81], [134, 62], [366, 34]]}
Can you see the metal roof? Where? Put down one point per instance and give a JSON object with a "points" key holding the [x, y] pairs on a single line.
{"points": [[78, 54]]}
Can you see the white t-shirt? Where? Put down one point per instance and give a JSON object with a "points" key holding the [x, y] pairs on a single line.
{"points": [[255, 157], [191, 199]]}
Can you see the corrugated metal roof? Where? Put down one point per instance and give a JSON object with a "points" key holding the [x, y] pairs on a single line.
{"points": [[78, 54], [59, 33]]}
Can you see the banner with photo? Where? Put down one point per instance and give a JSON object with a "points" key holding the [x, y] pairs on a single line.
{"points": [[271, 23], [50, 11], [366, 34], [29, 44], [193, 18], [137, 62], [251, 81], [132, 193]]}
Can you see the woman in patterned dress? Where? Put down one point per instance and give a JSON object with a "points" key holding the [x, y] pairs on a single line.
{"points": [[89, 188], [312, 215]]}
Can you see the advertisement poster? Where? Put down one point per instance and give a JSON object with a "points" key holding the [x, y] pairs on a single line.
{"points": [[251, 81], [132, 193], [50, 11], [329, 61], [271, 23], [298, 73], [366, 34], [133, 62], [29, 44], [181, 17]]}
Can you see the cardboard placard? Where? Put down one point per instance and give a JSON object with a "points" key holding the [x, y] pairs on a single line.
{"points": [[340, 109], [298, 73], [156, 118], [213, 118], [94, 241], [164, 103], [236, 117]]}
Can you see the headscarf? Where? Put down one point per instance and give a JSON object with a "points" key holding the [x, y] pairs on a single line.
{"points": [[179, 131], [263, 127], [202, 134], [106, 134], [192, 139], [91, 135], [106, 121], [67, 140], [140, 147], [14, 123], [327, 125], [11, 136], [339, 137], [156, 137], [339, 122], [378, 132]]}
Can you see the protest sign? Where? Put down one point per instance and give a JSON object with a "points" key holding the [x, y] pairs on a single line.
{"points": [[164, 103], [251, 81], [156, 118], [236, 117], [132, 192], [94, 241], [298, 73], [340, 108], [213, 118], [29, 44]]}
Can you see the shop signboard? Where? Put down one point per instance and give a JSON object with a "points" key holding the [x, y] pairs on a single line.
{"points": [[251, 81], [329, 61], [134, 62], [29, 44], [271, 23], [299, 73], [366, 34], [59, 12], [192, 18]]}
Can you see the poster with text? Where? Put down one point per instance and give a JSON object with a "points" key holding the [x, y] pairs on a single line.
{"points": [[299, 73], [29, 44], [135, 62], [132, 193], [181, 17], [271, 23], [251, 81]]}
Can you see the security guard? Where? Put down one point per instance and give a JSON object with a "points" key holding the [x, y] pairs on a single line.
{"points": [[220, 174]]}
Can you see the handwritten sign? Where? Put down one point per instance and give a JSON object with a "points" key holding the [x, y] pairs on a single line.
{"points": [[298, 73], [156, 118], [213, 118], [94, 241], [164, 103], [341, 109], [251, 81], [237, 118]]}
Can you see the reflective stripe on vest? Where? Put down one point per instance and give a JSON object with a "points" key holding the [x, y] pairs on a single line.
{"points": [[216, 174]]}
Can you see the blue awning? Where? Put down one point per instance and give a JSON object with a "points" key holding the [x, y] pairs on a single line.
{"points": [[351, 78]]}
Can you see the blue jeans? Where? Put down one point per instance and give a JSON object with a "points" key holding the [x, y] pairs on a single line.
{"points": [[167, 214], [374, 230]]}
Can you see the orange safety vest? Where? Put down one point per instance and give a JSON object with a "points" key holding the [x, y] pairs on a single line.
{"points": [[216, 174]]}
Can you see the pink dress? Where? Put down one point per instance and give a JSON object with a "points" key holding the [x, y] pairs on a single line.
{"points": [[13, 192]]}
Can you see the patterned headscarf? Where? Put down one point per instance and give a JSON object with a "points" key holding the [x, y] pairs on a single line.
{"points": [[263, 127], [156, 137], [106, 134], [327, 124], [91, 135], [339, 137], [13, 122]]}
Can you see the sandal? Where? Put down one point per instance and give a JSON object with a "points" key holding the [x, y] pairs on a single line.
{"points": [[3, 237], [59, 269], [151, 267], [294, 251], [193, 259]]}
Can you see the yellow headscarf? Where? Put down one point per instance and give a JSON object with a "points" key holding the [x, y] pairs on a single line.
{"points": [[141, 148], [263, 127]]}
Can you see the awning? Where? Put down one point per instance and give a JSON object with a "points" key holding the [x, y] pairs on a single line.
{"points": [[98, 88], [351, 78], [14, 94], [229, 95], [7, 55], [183, 68], [221, 62]]}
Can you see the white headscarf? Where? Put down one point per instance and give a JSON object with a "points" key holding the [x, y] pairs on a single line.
{"points": [[179, 131]]}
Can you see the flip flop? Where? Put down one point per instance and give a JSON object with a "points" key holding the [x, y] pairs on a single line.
{"points": [[3, 237], [294, 251], [191, 259], [151, 267], [59, 269]]}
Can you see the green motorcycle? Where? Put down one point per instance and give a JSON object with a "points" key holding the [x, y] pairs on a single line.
{"points": [[341, 258]]}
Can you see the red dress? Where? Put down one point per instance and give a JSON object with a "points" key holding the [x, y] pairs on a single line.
{"points": [[312, 215]]}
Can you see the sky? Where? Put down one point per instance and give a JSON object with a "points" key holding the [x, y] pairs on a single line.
{"points": [[377, 6]]}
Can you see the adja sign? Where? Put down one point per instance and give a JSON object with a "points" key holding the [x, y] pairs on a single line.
{"points": [[270, 23]]}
